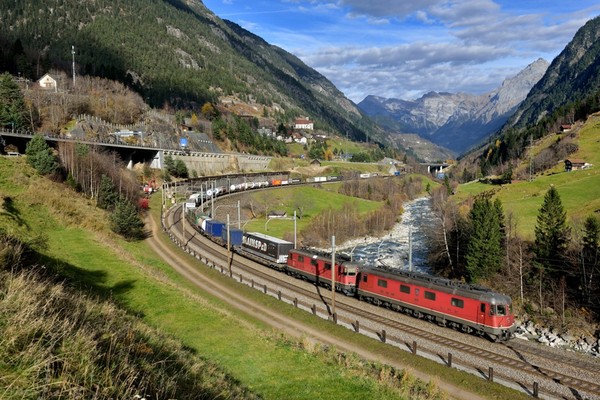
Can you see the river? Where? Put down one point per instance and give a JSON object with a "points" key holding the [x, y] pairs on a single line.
{"points": [[392, 250]]}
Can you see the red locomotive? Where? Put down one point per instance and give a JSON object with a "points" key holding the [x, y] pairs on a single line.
{"points": [[472, 309], [316, 267]]}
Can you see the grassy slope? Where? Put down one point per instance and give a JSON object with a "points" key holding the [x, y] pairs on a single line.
{"points": [[579, 190], [128, 273], [289, 199], [135, 277]]}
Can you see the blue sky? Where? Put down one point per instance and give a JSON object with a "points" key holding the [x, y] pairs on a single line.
{"points": [[405, 48]]}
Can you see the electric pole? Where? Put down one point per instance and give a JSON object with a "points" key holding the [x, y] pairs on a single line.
{"points": [[333, 277], [73, 54]]}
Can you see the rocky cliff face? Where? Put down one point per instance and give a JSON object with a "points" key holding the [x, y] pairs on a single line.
{"points": [[456, 121]]}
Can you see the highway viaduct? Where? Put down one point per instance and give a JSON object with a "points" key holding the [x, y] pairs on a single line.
{"points": [[202, 162]]}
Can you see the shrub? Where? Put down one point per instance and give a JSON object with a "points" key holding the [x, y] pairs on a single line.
{"points": [[126, 221], [40, 156]]}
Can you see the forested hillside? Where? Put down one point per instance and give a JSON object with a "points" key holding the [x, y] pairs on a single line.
{"points": [[173, 53]]}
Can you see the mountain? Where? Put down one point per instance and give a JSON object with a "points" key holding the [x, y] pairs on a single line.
{"points": [[572, 76], [175, 53], [568, 93], [456, 121]]}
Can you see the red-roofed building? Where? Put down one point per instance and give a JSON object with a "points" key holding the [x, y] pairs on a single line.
{"points": [[303, 123], [565, 128]]}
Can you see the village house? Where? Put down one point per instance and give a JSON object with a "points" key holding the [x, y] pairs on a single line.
{"points": [[298, 138], [575, 163], [47, 82], [303, 123]]}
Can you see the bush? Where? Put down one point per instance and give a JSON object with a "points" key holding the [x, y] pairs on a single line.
{"points": [[40, 156], [126, 221]]}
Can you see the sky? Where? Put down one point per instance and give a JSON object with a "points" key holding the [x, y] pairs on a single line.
{"points": [[405, 48]]}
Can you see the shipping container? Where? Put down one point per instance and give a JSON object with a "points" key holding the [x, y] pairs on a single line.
{"points": [[215, 228], [268, 247], [235, 236]]}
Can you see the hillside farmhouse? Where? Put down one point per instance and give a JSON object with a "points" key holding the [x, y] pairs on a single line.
{"points": [[575, 163], [47, 82]]}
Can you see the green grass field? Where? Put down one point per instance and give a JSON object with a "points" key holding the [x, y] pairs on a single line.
{"points": [[312, 200]]}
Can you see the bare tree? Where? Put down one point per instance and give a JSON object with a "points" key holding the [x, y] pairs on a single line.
{"points": [[442, 213]]}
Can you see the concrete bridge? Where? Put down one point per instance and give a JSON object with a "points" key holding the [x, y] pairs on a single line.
{"points": [[201, 162], [435, 168]]}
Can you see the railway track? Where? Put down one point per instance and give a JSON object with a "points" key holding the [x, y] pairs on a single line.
{"points": [[517, 364]]}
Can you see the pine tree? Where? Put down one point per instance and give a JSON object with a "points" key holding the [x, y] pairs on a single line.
{"points": [[484, 249], [12, 105], [40, 156], [180, 169], [107, 195], [125, 220], [590, 260], [552, 234]]}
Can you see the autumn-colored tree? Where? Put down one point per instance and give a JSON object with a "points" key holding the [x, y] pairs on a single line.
{"points": [[209, 111], [194, 120]]}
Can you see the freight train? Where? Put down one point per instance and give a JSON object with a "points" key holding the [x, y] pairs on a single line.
{"points": [[468, 308]]}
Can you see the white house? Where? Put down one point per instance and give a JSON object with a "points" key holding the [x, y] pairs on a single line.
{"points": [[303, 123], [47, 82]]}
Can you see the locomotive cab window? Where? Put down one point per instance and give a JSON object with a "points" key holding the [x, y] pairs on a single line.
{"points": [[429, 295], [300, 258], [457, 302], [482, 307], [364, 278], [499, 309], [327, 266], [405, 289], [382, 283]]}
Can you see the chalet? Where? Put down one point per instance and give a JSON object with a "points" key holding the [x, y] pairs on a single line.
{"points": [[575, 163], [47, 82], [303, 123], [315, 163], [566, 128]]}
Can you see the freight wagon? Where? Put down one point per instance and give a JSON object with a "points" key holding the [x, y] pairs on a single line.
{"points": [[267, 247]]}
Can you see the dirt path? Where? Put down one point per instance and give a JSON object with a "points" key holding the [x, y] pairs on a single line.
{"points": [[276, 320]]}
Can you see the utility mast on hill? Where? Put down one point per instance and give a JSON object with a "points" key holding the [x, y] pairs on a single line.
{"points": [[73, 54]]}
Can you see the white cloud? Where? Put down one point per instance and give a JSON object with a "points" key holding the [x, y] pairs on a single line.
{"points": [[402, 49]]}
